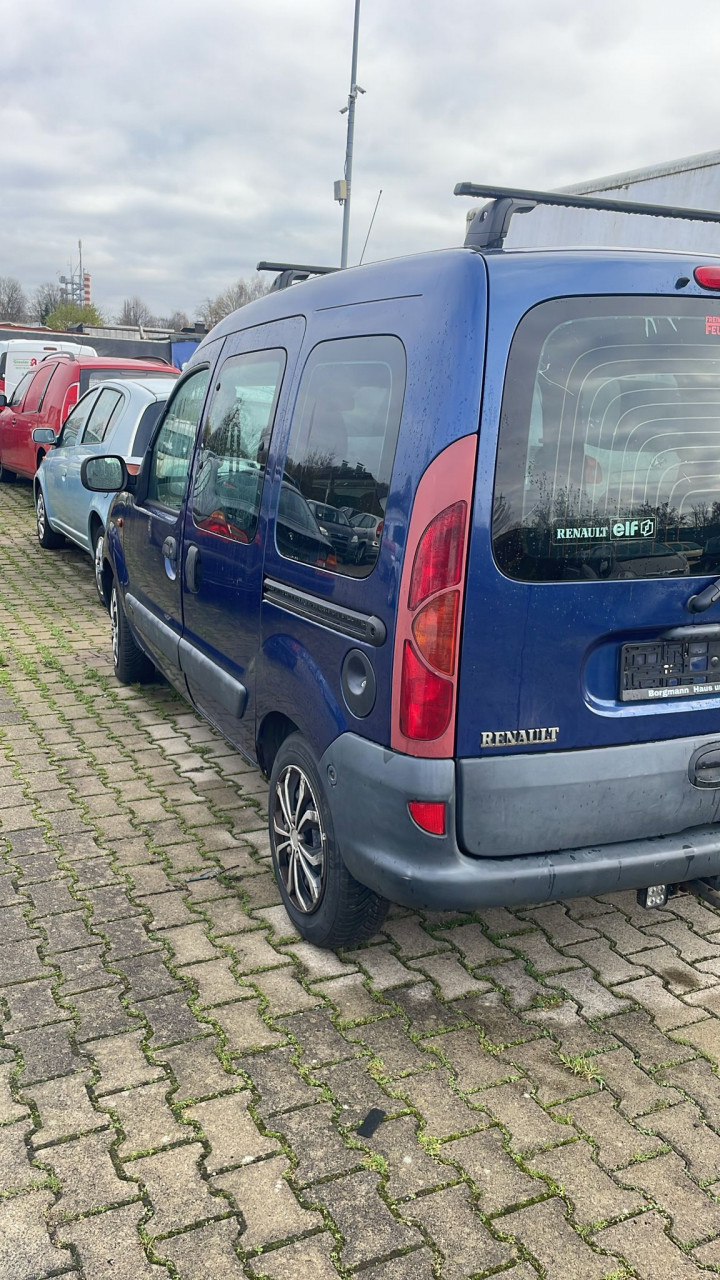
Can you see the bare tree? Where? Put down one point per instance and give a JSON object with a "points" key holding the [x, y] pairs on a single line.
{"points": [[46, 299], [135, 312], [178, 320], [237, 295], [13, 303]]}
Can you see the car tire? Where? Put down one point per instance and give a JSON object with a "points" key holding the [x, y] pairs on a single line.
{"points": [[47, 537], [6, 477], [360, 553], [131, 665], [97, 554], [327, 905]]}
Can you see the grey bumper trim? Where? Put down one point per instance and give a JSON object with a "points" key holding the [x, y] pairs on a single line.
{"points": [[385, 850]]}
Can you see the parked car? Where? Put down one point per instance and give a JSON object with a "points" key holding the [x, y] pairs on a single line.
{"points": [[337, 527], [692, 551], [45, 396], [474, 716], [114, 416], [19, 356], [369, 532]]}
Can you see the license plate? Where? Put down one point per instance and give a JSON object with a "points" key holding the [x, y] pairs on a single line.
{"points": [[669, 669]]}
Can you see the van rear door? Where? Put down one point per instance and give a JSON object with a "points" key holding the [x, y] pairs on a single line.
{"points": [[603, 521]]}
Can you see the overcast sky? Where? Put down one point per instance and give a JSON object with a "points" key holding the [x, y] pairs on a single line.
{"points": [[183, 140]]}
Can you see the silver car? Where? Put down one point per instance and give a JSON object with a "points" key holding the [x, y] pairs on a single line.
{"points": [[118, 417]]}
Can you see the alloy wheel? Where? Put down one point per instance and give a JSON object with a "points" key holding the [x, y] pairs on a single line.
{"points": [[115, 625], [40, 513], [299, 838], [99, 565]]}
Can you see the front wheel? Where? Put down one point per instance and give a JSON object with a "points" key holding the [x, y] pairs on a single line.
{"points": [[132, 666], [98, 540], [327, 905], [47, 537]]}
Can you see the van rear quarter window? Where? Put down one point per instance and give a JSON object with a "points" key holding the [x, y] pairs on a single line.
{"points": [[342, 446], [609, 449]]}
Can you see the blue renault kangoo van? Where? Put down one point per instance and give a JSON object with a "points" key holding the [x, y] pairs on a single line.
{"points": [[514, 695]]}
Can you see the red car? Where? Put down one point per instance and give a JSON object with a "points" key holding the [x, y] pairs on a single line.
{"points": [[45, 397]]}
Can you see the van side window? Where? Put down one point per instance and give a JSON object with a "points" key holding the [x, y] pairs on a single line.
{"points": [[37, 391], [343, 438], [230, 466], [172, 451], [21, 388]]}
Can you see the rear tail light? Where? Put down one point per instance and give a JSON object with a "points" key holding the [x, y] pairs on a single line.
{"points": [[429, 815], [71, 399], [378, 531], [708, 277], [430, 606]]}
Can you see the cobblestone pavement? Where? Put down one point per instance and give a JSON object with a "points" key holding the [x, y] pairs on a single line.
{"points": [[185, 1086]]}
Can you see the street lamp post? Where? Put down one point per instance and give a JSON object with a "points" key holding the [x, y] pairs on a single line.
{"points": [[345, 187]]}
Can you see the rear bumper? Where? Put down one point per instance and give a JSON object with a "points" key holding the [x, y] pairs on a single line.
{"points": [[385, 850]]}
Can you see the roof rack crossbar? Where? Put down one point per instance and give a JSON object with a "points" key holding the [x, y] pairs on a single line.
{"points": [[292, 273], [490, 225]]}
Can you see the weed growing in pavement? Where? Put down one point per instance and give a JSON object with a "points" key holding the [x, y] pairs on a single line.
{"points": [[581, 1065]]}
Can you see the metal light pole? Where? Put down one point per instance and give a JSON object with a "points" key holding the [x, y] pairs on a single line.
{"points": [[350, 108]]}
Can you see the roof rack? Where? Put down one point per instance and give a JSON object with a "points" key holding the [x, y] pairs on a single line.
{"points": [[490, 225], [292, 273]]}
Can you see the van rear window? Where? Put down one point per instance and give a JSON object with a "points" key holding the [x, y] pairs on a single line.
{"points": [[609, 451]]}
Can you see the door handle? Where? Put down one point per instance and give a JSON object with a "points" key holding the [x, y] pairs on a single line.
{"points": [[169, 549], [193, 569]]}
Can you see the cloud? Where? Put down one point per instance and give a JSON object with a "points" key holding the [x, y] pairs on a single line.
{"points": [[182, 142]]}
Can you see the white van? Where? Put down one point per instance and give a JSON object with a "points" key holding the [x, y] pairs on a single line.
{"points": [[19, 355]]}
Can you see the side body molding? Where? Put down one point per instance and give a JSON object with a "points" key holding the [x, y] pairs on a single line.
{"points": [[157, 634], [208, 677]]}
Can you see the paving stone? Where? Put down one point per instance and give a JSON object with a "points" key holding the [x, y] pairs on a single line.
{"points": [[666, 1010], [148, 975], [215, 981], [51, 898], [244, 1028], [91, 873], [22, 961], [594, 1195], [16, 1172], [31, 1004], [410, 1168], [647, 1247], [383, 967], [65, 933], [702, 917], [698, 1080], [46, 1052], [500, 1181], [594, 999], [150, 879], [390, 1042], [310, 1257], [368, 1227], [109, 902], [127, 938], [231, 1131], [318, 1038], [317, 962], [498, 1024], [528, 1125], [545, 1232], [13, 925], [609, 965], [171, 1020], [178, 1193], [316, 1143], [617, 1141], [521, 988], [252, 952], [9, 1109], [227, 915], [571, 1033], [26, 1252], [109, 1245], [205, 1253], [471, 1064], [427, 1015], [82, 970], [121, 1063], [475, 947], [647, 1043], [146, 1119], [550, 1079], [636, 1092], [627, 939], [278, 1082], [283, 991], [466, 1245], [682, 979], [684, 1127], [87, 1176], [351, 998], [269, 1206], [411, 939], [197, 1069], [102, 1013], [704, 1036], [442, 1111], [411, 1266], [693, 1214], [189, 943], [555, 920], [448, 975], [65, 1109], [352, 1085]]}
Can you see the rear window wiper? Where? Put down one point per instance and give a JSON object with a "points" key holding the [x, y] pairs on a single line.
{"points": [[702, 601]]}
